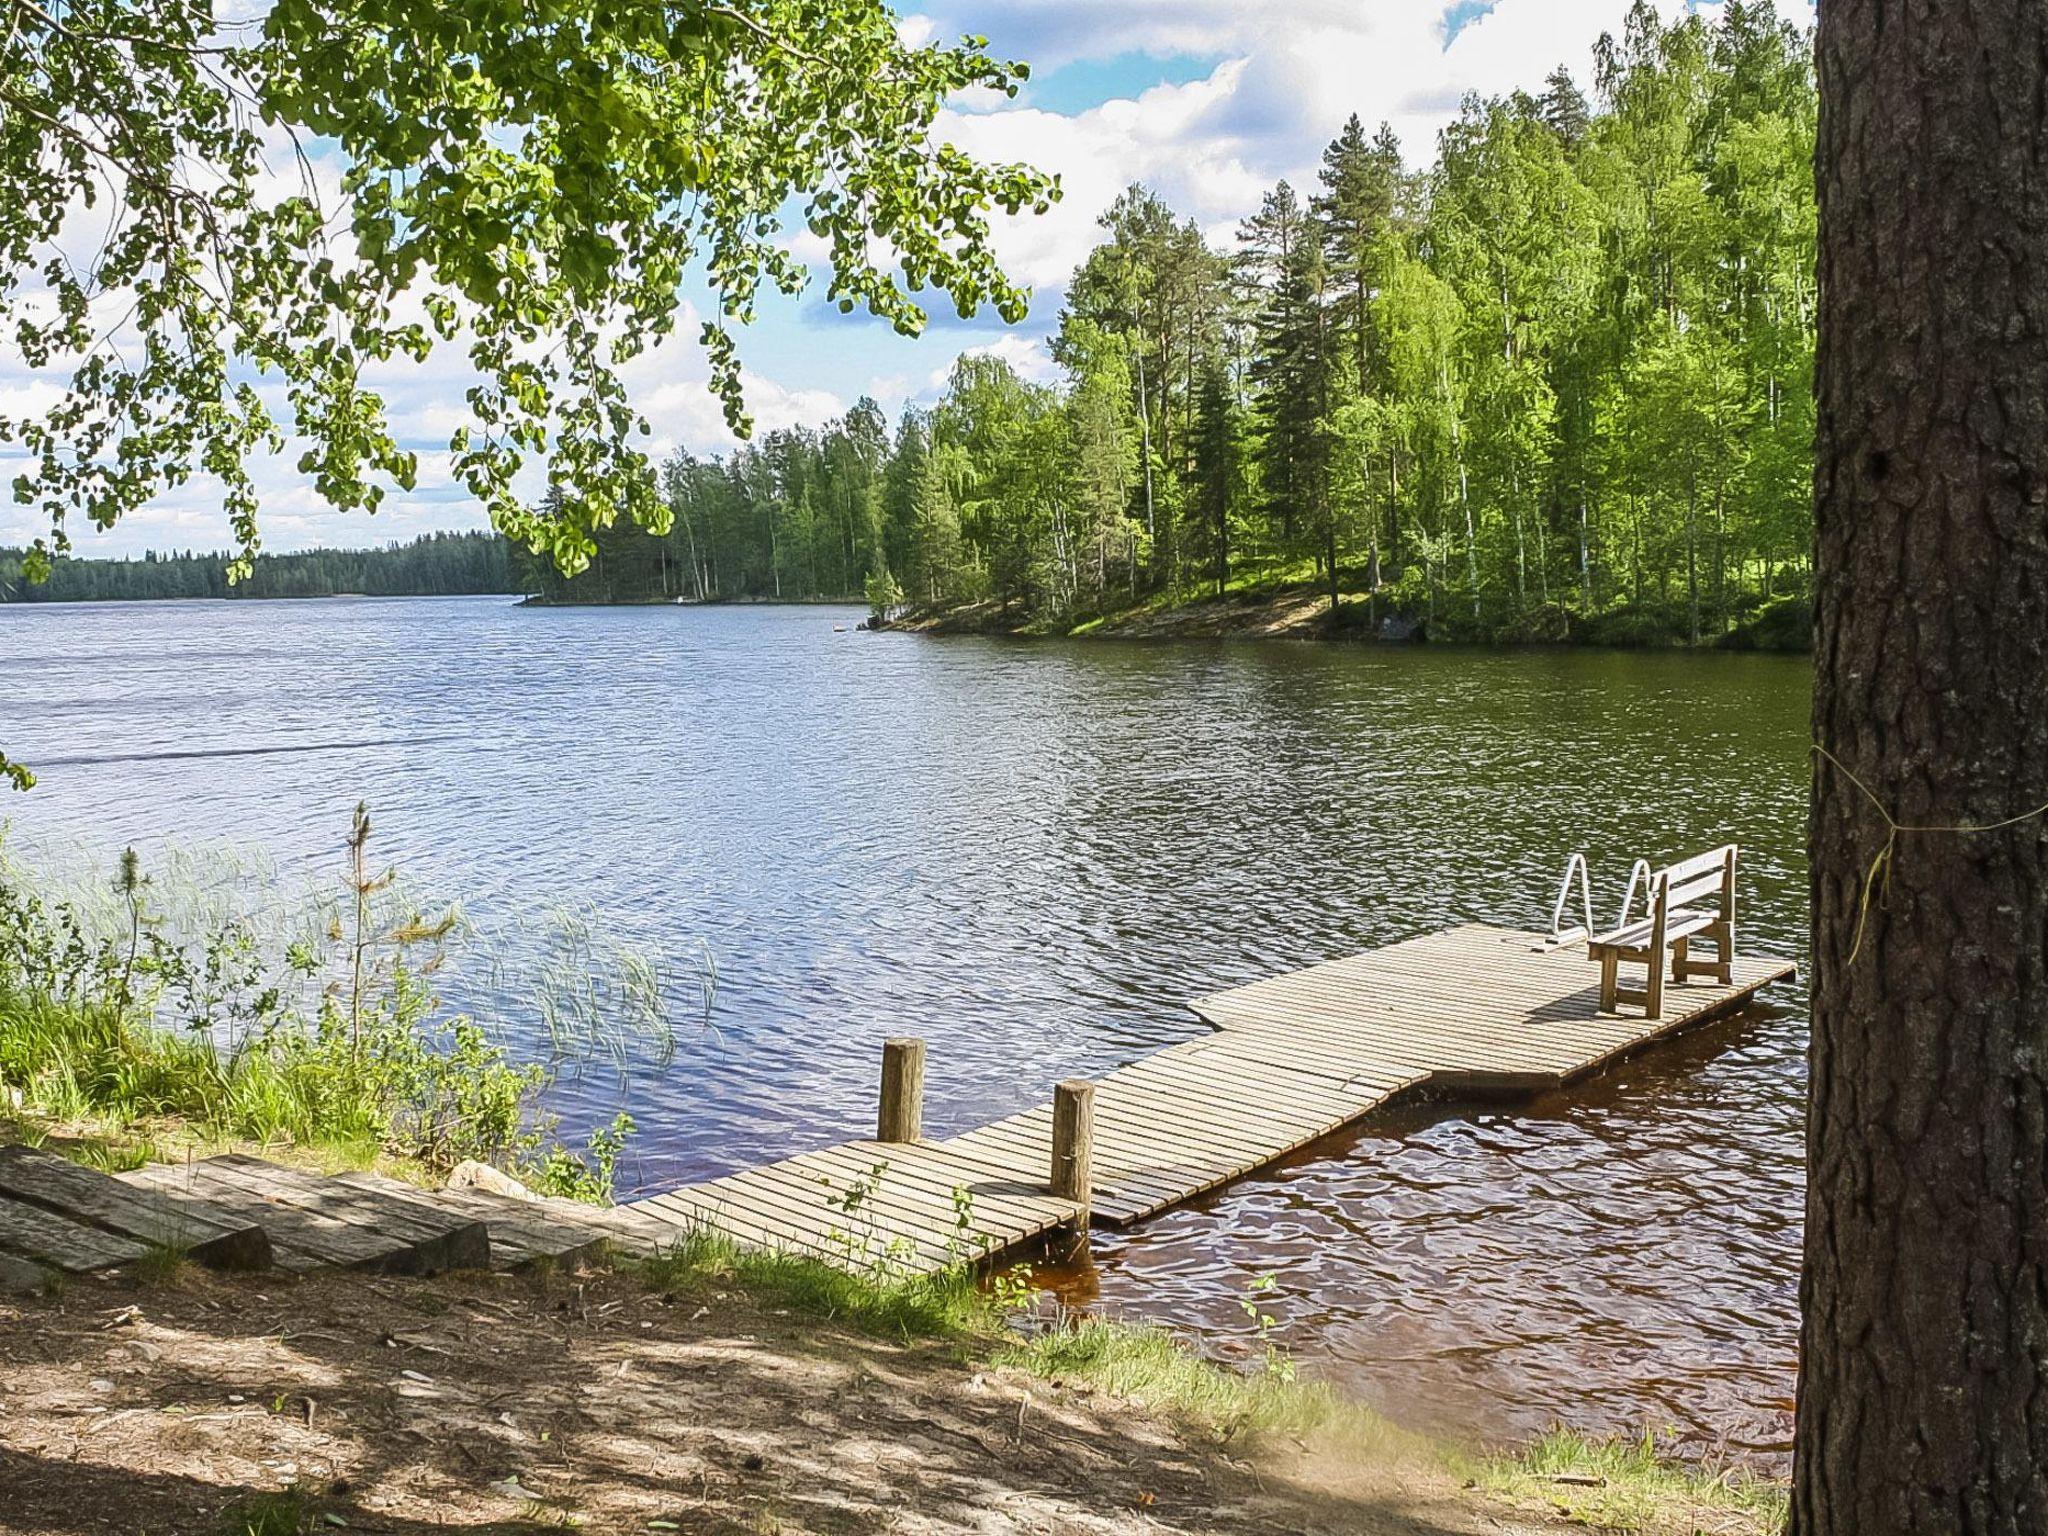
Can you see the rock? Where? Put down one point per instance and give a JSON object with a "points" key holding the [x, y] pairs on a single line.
{"points": [[470, 1174]]}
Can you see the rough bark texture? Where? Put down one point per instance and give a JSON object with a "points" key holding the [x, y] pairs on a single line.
{"points": [[1923, 1395]]}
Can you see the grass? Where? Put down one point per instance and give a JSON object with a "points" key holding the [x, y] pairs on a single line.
{"points": [[165, 1265], [1149, 1365], [1142, 1363], [948, 1305], [129, 1034], [286, 1513], [90, 1062], [1628, 1485]]}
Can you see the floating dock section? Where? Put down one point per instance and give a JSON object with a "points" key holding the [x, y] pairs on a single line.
{"points": [[1476, 1012]]}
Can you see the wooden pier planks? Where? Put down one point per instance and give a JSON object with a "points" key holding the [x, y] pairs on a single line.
{"points": [[31, 1236], [150, 1217], [315, 1222], [1474, 1010], [919, 1206]]}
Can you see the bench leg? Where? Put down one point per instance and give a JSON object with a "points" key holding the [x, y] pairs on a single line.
{"points": [[1609, 962], [1653, 994], [1679, 965]]}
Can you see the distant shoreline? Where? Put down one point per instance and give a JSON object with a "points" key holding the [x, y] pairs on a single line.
{"points": [[130, 599], [1297, 612], [539, 600], [1302, 612]]}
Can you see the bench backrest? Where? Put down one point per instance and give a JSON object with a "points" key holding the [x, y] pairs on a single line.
{"points": [[1684, 884], [1689, 881]]}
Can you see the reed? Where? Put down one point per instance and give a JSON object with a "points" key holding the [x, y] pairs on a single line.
{"points": [[147, 1007]]}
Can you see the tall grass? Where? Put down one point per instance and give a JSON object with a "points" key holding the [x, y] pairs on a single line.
{"points": [[321, 1029]]}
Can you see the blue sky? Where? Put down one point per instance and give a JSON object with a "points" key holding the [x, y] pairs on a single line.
{"points": [[1208, 101]]}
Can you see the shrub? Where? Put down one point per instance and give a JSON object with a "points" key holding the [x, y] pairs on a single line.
{"points": [[1544, 624], [1784, 624], [1631, 625], [884, 597]]}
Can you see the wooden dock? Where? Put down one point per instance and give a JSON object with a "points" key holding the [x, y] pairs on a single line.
{"points": [[1476, 1012]]}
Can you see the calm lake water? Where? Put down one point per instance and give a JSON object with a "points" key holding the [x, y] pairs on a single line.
{"points": [[1031, 854]]}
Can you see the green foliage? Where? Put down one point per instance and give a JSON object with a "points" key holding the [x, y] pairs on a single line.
{"points": [[346, 1049], [533, 181], [1784, 624], [589, 1175], [884, 595]]}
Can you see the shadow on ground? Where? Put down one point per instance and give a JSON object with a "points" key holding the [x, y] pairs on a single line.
{"points": [[496, 1405]]}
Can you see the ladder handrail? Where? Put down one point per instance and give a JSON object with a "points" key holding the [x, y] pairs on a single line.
{"points": [[1641, 872], [1559, 934]]}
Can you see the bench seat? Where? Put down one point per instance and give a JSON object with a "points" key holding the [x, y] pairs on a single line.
{"points": [[1682, 924]]}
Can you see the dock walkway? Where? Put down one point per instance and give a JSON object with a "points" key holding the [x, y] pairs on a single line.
{"points": [[1473, 1012]]}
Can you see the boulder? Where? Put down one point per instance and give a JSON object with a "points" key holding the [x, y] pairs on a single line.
{"points": [[474, 1175]]}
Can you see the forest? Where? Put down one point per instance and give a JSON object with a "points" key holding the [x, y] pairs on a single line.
{"points": [[433, 565], [1556, 385]]}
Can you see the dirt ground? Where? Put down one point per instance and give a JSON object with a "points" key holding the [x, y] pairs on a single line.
{"points": [[516, 1405]]}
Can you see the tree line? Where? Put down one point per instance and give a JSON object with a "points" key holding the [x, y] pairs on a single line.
{"points": [[1558, 382], [435, 564]]}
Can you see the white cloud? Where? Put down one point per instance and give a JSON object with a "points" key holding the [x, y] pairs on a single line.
{"points": [[1292, 71], [1027, 355]]}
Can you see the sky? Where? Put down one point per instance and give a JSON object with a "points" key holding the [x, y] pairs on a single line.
{"points": [[1209, 102]]}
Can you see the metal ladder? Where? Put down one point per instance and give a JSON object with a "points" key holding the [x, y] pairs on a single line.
{"points": [[1561, 935]]}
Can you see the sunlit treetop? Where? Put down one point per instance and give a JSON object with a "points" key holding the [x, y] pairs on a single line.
{"points": [[217, 227]]}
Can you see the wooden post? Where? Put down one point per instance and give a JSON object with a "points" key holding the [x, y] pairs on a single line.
{"points": [[1073, 1141], [902, 1116]]}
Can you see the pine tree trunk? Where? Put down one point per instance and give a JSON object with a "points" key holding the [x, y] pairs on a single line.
{"points": [[1145, 447], [1923, 1394]]}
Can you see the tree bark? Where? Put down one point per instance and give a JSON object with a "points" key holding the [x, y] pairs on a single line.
{"points": [[1923, 1392]]}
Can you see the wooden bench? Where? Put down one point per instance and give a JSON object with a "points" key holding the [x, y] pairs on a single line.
{"points": [[1693, 899]]}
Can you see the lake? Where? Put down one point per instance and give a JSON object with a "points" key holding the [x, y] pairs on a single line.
{"points": [[1031, 854]]}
